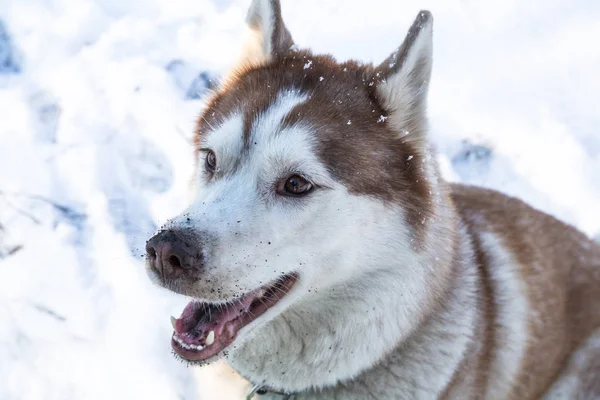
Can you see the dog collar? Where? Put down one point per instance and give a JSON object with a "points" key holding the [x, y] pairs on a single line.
{"points": [[261, 389]]}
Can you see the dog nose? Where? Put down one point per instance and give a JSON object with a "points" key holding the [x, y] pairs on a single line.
{"points": [[169, 254]]}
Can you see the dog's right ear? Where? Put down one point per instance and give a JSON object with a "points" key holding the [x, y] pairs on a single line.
{"points": [[269, 38]]}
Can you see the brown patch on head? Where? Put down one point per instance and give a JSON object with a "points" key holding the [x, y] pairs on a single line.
{"points": [[361, 149], [368, 122]]}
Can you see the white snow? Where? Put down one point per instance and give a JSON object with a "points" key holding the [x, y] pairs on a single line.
{"points": [[96, 128]]}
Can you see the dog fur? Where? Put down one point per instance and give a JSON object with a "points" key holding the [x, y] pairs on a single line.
{"points": [[409, 287]]}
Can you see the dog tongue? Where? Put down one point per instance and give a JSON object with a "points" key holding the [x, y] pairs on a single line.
{"points": [[210, 326], [204, 329], [198, 319]]}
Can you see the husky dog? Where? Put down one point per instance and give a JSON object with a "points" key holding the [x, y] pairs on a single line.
{"points": [[327, 259]]}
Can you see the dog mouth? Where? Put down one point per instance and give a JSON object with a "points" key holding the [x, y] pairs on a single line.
{"points": [[204, 329]]}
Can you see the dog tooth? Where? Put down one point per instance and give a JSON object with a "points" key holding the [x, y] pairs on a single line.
{"points": [[173, 321], [261, 293], [210, 338], [199, 347]]}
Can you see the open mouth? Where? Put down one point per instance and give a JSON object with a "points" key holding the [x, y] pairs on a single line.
{"points": [[204, 329]]}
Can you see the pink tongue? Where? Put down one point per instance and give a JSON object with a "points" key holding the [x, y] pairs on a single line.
{"points": [[198, 319]]}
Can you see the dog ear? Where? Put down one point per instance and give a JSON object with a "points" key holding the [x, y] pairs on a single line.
{"points": [[269, 38], [402, 79]]}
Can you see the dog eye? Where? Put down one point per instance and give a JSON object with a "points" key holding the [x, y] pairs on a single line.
{"points": [[295, 185], [211, 161]]}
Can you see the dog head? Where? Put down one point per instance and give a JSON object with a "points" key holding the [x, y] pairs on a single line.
{"points": [[310, 174]]}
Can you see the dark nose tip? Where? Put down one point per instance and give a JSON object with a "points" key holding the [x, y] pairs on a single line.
{"points": [[168, 254]]}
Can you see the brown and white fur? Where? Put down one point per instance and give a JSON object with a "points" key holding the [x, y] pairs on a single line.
{"points": [[409, 287]]}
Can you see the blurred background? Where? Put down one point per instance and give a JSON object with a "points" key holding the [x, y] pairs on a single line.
{"points": [[98, 100]]}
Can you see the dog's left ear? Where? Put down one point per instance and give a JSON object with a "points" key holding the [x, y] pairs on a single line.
{"points": [[403, 78], [269, 36]]}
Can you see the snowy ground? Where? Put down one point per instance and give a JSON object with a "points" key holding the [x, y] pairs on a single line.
{"points": [[97, 104]]}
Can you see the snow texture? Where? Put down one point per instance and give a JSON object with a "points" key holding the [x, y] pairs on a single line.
{"points": [[8, 55], [98, 101]]}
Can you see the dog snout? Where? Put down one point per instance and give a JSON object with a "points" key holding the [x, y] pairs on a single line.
{"points": [[171, 253]]}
